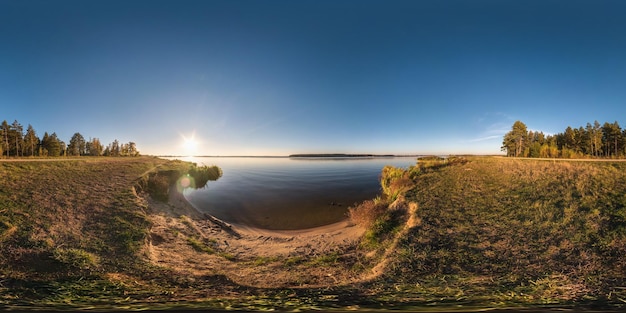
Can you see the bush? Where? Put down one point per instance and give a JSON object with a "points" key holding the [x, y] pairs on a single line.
{"points": [[159, 186], [203, 174], [183, 176], [394, 182], [366, 213]]}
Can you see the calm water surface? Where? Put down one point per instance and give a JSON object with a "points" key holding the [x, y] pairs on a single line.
{"points": [[288, 193]]}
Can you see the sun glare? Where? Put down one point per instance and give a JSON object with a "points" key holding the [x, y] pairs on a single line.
{"points": [[190, 145]]}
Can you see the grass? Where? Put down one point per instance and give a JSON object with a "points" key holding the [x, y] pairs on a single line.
{"points": [[517, 231], [71, 233], [76, 258], [199, 246], [263, 260], [326, 259], [493, 232]]}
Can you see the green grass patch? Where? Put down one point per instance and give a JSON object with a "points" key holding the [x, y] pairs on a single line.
{"points": [[76, 258], [294, 260], [200, 246], [264, 260], [326, 259]]}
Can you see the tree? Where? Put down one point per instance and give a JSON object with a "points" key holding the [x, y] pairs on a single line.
{"points": [[624, 141], [14, 142], [596, 138], [95, 147], [612, 137], [114, 148], [535, 150], [569, 138], [52, 145], [18, 137], [63, 148], [584, 143], [132, 149], [515, 141], [124, 149], [5, 134], [129, 149], [77, 145], [43, 146], [30, 141]]}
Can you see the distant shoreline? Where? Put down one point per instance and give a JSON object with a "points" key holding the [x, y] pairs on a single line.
{"points": [[313, 155], [340, 155]]}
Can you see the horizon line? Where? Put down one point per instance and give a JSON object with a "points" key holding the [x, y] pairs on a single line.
{"points": [[328, 154]]}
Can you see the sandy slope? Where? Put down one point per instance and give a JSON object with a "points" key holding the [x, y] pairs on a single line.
{"points": [[251, 256]]}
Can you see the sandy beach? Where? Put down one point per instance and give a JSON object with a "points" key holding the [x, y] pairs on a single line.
{"points": [[276, 254]]}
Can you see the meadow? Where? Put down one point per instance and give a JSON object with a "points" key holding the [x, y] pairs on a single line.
{"points": [[503, 231]]}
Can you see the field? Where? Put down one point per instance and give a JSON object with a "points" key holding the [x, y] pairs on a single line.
{"points": [[475, 232], [516, 232]]}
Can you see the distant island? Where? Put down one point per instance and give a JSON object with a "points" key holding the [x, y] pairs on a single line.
{"points": [[340, 155]]}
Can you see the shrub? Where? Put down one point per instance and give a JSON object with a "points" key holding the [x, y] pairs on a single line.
{"points": [[203, 174], [394, 182], [159, 186], [366, 213], [192, 176]]}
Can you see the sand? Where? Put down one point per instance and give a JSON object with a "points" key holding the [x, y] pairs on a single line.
{"points": [[251, 256]]}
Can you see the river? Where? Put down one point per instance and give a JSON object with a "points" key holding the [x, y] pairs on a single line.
{"points": [[288, 193]]}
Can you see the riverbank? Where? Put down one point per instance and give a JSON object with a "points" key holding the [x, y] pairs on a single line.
{"points": [[195, 244], [84, 233], [469, 233]]}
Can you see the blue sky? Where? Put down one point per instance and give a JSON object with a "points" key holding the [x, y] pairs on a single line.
{"points": [[280, 77]]}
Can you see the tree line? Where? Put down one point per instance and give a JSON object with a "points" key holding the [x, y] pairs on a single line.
{"points": [[15, 142], [595, 140]]}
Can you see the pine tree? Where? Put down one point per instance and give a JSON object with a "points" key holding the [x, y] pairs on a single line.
{"points": [[5, 134], [612, 136], [30, 141], [52, 145], [43, 147], [569, 138], [17, 134], [516, 141], [597, 135]]}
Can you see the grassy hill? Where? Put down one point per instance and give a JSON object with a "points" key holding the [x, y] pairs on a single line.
{"points": [[515, 232], [473, 232]]}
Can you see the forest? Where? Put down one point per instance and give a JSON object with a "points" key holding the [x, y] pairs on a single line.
{"points": [[17, 143], [592, 141]]}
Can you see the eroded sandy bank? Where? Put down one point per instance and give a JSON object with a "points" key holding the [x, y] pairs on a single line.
{"points": [[185, 240]]}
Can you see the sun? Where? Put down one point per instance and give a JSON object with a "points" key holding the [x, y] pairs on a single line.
{"points": [[190, 145]]}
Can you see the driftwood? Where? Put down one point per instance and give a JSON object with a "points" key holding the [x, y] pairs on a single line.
{"points": [[223, 225]]}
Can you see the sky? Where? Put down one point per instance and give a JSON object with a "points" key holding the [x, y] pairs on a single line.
{"points": [[248, 77]]}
